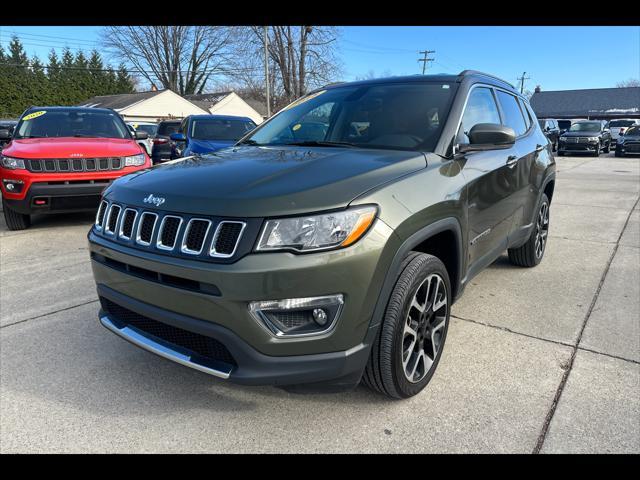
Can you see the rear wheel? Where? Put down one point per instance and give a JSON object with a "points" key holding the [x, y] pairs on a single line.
{"points": [[15, 220], [530, 254], [409, 344]]}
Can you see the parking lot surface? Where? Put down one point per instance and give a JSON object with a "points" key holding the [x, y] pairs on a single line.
{"points": [[537, 360]]}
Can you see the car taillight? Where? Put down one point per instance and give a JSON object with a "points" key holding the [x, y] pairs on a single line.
{"points": [[159, 140]]}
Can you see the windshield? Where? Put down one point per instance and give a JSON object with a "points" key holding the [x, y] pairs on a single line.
{"points": [[404, 116], [219, 128], [71, 123], [150, 129], [585, 127], [632, 131], [621, 123]]}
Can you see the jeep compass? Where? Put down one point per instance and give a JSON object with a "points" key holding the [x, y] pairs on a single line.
{"points": [[61, 158], [328, 245]]}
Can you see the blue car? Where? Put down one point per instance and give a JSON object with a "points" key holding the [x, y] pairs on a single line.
{"points": [[199, 134]]}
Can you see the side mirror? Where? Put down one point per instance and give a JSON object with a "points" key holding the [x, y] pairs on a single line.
{"points": [[178, 137], [5, 134], [141, 135], [488, 136]]}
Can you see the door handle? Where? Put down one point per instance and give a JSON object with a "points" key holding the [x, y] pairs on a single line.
{"points": [[512, 160]]}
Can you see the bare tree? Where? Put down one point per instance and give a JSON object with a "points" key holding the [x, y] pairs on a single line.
{"points": [[632, 82], [181, 58], [300, 58]]}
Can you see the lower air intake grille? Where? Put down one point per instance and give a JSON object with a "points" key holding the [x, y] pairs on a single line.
{"points": [[201, 345]]}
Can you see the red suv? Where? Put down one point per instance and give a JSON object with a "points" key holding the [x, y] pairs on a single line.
{"points": [[61, 158]]}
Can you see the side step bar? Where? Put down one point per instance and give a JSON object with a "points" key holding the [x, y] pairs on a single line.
{"points": [[152, 346]]}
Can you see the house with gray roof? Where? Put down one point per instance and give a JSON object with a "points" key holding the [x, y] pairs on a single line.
{"points": [[594, 103]]}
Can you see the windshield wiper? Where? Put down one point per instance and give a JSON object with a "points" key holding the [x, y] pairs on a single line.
{"points": [[315, 143], [248, 141]]}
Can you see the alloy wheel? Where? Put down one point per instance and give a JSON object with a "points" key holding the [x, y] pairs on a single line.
{"points": [[423, 328], [542, 229]]}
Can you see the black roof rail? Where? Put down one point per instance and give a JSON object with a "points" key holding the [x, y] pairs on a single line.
{"points": [[476, 72]]}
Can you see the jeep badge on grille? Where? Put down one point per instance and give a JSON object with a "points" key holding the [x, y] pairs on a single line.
{"points": [[157, 201]]}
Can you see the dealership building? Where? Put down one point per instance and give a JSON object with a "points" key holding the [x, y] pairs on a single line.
{"points": [[594, 103]]}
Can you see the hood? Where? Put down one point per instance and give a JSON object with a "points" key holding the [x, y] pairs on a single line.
{"points": [[206, 146], [71, 147], [265, 181], [581, 134]]}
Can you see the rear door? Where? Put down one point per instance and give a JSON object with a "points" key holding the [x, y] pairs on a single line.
{"points": [[527, 148], [491, 184]]}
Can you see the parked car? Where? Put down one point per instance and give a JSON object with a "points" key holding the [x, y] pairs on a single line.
{"points": [[588, 136], [61, 158], [200, 134], [551, 129], [629, 142], [148, 127], [564, 125], [618, 127], [302, 257], [162, 144]]}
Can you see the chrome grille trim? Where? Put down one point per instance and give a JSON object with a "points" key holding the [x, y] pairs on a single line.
{"points": [[139, 241], [103, 204], [159, 243], [107, 220], [185, 235], [133, 226], [213, 252]]}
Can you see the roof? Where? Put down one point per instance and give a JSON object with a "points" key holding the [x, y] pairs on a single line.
{"points": [[590, 102], [81, 108], [118, 102], [207, 98], [220, 117]]}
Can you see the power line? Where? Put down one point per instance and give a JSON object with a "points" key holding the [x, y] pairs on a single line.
{"points": [[522, 79], [425, 59]]}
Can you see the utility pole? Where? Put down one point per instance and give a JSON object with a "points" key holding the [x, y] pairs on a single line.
{"points": [[266, 69], [522, 79], [425, 59]]}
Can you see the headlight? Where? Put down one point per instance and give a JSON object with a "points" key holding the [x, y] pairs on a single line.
{"points": [[317, 232], [593, 139], [562, 139], [134, 160], [11, 163]]}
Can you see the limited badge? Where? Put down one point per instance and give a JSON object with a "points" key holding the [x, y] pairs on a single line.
{"points": [[34, 115]]}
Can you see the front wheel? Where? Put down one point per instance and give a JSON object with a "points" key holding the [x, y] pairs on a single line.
{"points": [[607, 149], [597, 152], [530, 254], [15, 220], [409, 344]]}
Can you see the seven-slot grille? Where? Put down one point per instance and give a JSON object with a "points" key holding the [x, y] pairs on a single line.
{"points": [[54, 165], [168, 232]]}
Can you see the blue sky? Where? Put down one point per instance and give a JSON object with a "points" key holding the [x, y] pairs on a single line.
{"points": [[557, 58]]}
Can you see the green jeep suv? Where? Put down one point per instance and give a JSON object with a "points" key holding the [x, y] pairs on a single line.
{"points": [[328, 245]]}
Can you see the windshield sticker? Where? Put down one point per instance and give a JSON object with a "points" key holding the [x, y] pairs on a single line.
{"points": [[34, 115]]}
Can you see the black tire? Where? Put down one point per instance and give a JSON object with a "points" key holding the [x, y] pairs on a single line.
{"points": [[618, 152], [529, 255], [554, 146], [385, 372], [597, 152], [15, 220], [608, 149]]}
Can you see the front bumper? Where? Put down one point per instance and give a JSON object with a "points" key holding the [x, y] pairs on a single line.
{"points": [[58, 198], [221, 311], [577, 147]]}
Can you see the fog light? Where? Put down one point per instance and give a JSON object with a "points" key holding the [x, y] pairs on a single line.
{"points": [[298, 316], [13, 186]]}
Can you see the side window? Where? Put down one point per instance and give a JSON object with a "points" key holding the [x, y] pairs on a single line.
{"points": [[481, 108], [512, 113], [527, 117]]}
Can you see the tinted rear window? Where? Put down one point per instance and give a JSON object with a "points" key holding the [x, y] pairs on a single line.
{"points": [[513, 114], [167, 128]]}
